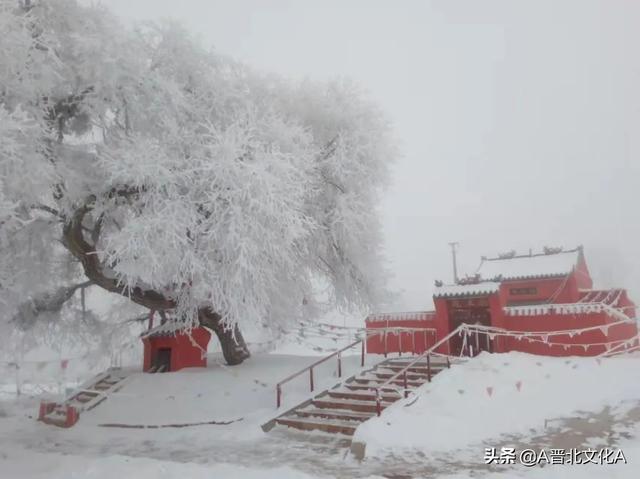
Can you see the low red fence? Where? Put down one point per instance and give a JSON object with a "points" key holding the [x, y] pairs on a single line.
{"points": [[411, 332]]}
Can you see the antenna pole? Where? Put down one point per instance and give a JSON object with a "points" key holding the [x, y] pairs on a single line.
{"points": [[454, 246]]}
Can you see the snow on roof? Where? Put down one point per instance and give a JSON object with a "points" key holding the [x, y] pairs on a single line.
{"points": [[486, 287], [168, 328], [530, 266]]}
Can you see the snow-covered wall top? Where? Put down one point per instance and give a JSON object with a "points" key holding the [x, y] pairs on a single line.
{"points": [[534, 266], [542, 309], [486, 287], [405, 316]]}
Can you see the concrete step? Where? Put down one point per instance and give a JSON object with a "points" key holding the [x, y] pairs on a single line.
{"points": [[363, 395], [338, 414], [412, 369], [318, 424], [410, 376], [403, 362], [85, 396], [354, 386], [327, 402], [376, 381]]}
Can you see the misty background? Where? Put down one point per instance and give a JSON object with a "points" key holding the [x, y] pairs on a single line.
{"points": [[517, 120]]}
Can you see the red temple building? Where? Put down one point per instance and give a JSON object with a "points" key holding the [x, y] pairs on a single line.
{"points": [[547, 292]]}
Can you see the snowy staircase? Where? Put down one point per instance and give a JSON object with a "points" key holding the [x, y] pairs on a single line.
{"points": [[343, 408], [85, 398]]}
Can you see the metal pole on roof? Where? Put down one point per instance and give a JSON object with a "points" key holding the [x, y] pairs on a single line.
{"points": [[454, 246]]}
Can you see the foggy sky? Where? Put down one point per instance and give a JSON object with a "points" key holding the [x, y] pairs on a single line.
{"points": [[517, 120]]}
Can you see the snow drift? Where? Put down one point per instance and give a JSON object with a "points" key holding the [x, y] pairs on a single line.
{"points": [[496, 394]]}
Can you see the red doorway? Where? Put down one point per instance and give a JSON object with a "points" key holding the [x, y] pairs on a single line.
{"points": [[469, 311]]}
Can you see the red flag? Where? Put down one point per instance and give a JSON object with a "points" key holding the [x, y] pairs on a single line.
{"points": [[489, 390], [519, 385], [64, 363]]}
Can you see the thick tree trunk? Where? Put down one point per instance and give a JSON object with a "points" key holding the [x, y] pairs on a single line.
{"points": [[234, 347]]}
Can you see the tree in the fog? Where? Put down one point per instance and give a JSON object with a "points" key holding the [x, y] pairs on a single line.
{"points": [[138, 162]]}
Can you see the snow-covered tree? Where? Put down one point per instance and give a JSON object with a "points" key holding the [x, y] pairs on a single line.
{"points": [[141, 163]]}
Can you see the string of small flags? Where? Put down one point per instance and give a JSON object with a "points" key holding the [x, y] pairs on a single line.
{"points": [[585, 346], [493, 331], [62, 363], [529, 336]]}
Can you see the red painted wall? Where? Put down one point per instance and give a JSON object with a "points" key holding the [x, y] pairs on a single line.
{"points": [[442, 323], [558, 322], [184, 354], [583, 277], [556, 290]]}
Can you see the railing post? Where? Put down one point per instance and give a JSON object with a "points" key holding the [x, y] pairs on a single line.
{"points": [[413, 342], [448, 363], [406, 388], [385, 343], [378, 405], [311, 378], [429, 367], [278, 396], [399, 343], [339, 365], [362, 356]]}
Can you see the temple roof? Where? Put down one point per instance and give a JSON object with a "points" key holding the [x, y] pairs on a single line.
{"points": [[482, 288], [529, 266]]}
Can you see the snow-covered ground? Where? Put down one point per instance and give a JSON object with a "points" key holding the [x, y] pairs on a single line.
{"points": [[27, 464], [574, 402]]}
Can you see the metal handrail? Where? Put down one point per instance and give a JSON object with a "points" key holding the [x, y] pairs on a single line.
{"points": [[403, 371], [310, 368], [363, 340], [470, 328]]}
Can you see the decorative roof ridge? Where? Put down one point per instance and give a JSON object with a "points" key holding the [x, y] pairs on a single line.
{"points": [[531, 255], [470, 289], [479, 282]]}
